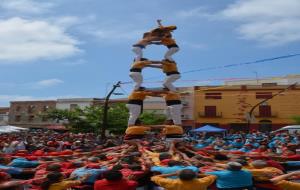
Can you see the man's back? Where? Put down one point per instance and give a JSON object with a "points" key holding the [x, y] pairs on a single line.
{"points": [[177, 184], [232, 179], [115, 185]]}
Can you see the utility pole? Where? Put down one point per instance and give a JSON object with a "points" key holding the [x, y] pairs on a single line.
{"points": [[265, 100], [105, 109]]}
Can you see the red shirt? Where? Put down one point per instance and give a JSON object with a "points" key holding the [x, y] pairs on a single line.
{"points": [[115, 185], [127, 172], [275, 164]]}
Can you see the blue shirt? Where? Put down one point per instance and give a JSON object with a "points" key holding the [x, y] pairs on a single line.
{"points": [[172, 169], [94, 173], [11, 170], [232, 179], [237, 144], [245, 149], [23, 163], [199, 146]]}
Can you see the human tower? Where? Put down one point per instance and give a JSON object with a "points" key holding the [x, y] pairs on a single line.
{"points": [[162, 35]]}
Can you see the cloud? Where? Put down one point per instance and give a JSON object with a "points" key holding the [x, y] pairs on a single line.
{"points": [[49, 82], [109, 35], [74, 62], [46, 83], [30, 40], [26, 6], [67, 21], [194, 45], [198, 12], [271, 23]]}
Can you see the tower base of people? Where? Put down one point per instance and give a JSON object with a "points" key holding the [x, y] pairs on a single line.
{"points": [[166, 131]]}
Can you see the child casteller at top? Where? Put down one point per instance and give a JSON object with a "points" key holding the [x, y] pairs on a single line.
{"points": [[158, 36]]}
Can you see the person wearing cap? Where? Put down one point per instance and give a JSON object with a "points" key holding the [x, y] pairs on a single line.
{"points": [[187, 180], [233, 177], [136, 71], [134, 105]]}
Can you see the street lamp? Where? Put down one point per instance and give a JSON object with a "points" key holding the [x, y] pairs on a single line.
{"points": [[105, 109], [264, 102]]}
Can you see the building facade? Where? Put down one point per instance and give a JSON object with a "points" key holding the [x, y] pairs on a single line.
{"points": [[28, 113], [72, 103], [227, 106], [4, 115], [286, 80]]}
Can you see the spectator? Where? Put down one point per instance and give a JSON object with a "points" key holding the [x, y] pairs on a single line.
{"points": [[233, 177], [187, 180], [55, 181], [113, 180]]}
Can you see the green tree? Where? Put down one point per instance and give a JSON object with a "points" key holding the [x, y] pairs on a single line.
{"points": [[118, 118], [89, 119], [296, 118], [152, 118]]}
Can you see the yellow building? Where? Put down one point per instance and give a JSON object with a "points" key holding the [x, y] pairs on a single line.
{"points": [[227, 106]]}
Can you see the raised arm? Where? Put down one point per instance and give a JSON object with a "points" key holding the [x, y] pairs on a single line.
{"points": [[159, 23], [285, 176]]}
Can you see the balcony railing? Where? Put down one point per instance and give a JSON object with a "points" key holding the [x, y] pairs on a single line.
{"points": [[209, 115], [273, 114]]}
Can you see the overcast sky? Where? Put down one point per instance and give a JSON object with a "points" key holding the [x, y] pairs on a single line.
{"points": [[78, 48]]}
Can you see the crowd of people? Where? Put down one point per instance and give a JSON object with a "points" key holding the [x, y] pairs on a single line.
{"points": [[49, 160]]}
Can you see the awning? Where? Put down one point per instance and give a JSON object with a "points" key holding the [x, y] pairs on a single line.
{"points": [[208, 129]]}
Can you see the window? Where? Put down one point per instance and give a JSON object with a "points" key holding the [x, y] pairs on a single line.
{"points": [[31, 108], [269, 84], [44, 118], [18, 108], [263, 95], [30, 118], [45, 108], [17, 118], [73, 106], [210, 111], [214, 95], [265, 111]]}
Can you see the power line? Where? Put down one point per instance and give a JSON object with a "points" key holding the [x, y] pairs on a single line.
{"points": [[229, 65]]}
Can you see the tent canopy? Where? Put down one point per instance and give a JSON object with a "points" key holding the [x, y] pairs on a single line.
{"points": [[208, 128], [11, 129], [289, 127]]}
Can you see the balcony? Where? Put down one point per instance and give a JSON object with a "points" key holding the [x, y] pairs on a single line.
{"points": [[210, 115], [271, 115]]}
